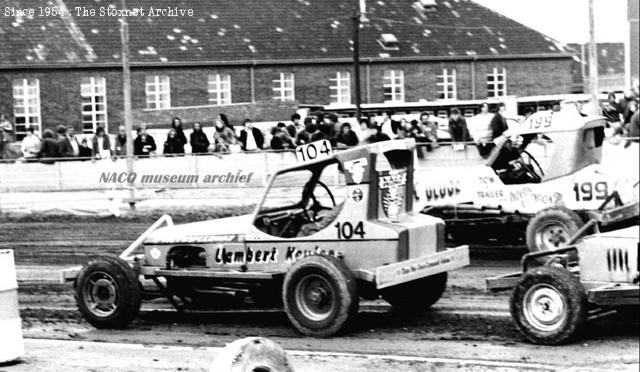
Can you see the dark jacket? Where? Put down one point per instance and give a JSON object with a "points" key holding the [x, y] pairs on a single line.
{"points": [[199, 142], [106, 144], [306, 137], [50, 148], [281, 141], [139, 146], [173, 146], [458, 130], [257, 136], [121, 145], [378, 137], [348, 139], [498, 125], [64, 145]]}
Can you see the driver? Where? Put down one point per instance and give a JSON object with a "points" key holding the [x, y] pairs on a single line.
{"points": [[321, 220]]}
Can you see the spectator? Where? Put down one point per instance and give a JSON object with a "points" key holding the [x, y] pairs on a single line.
{"points": [[377, 135], [31, 144], [6, 136], [387, 126], [198, 139], [173, 145], [144, 144], [527, 113], [633, 129], [346, 137], [632, 107], [295, 127], [101, 144], [280, 139], [64, 142], [498, 122], [223, 137], [612, 110], [121, 141], [310, 132], [327, 127], [405, 130], [429, 127], [50, 148], [223, 118], [458, 127], [84, 151], [364, 129], [251, 138], [483, 133], [176, 124], [73, 140]]}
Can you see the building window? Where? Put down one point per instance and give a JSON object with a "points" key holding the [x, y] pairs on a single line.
{"points": [[341, 88], [497, 83], [93, 91], [447, 84], [284, 87], [220, 89], [26, 105], [158, 92], [394, 86]]}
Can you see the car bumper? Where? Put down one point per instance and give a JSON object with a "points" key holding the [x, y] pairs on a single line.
{"points": [[406, 271]]}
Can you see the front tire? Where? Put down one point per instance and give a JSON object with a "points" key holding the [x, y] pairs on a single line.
{"points": [[552, 228], [319, 295], [108, 293], [549, 305], [417, 295]]}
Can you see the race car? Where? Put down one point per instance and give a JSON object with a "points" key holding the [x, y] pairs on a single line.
{"points": [[328, 231], [559, 290], [543, 176]]}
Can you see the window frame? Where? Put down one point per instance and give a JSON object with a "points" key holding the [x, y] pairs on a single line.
{"points": [[394, 81], [447, 83], [161, 88], [25, 97], [495, 78], [341, 89], [94, 83], [281, 91], [219, 89]]}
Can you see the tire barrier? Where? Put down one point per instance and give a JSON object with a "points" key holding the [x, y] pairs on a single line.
{"points": [[252, 354], [11, 343]]}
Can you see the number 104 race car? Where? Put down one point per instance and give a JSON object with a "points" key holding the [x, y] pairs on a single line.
{"points": [[329, 231]]}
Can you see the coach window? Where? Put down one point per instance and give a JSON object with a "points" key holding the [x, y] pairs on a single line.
{"points": [[93, 91], [158, 91], [26, 105]]}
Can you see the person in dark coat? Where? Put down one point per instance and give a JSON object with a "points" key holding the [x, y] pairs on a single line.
{"points": [[101, 144], [198, 139], [346, 137], [310, 133], [377, 135], [498, 123], [144, 144], [224, 119], [251, 138], [121, 141], [295, 127], [64, 144], [173, 145], [176, 124], [280, 139], [458, 127], [50, 147]]}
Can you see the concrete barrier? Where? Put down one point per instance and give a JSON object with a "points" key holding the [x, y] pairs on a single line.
{"points": [[11, 342], [252, 354]]}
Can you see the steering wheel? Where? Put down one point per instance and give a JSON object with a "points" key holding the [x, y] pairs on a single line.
{"points": [[529, 161], [316, 205]]}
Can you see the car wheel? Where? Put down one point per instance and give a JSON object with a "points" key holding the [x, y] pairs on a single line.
{"points": [[319, 295], [549, 305], [552, 228], [108, 293], [417, 295]]}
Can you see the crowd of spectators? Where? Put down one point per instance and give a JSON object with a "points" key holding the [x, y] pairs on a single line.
{"points": [[63, 144]]}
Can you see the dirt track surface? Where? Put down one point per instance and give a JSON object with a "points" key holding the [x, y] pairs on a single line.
{"points": [[467, 323]]}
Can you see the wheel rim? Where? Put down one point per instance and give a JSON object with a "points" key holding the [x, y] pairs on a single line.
{"points": [[544, 307], [100, 294], [552, 235], [315, 298]]}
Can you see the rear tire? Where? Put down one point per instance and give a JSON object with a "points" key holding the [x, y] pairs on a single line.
{"points": [[417, 295], [319, 295], [552, 228], [549, 305], [108, 293]]}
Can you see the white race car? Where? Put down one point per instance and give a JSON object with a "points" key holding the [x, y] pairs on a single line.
{"points": [[543, 175]]}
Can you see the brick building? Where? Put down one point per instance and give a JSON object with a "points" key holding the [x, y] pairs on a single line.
{"points": [[261, 58]]}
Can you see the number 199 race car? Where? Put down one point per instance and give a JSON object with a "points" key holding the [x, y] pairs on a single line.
{"points": [[329, 231]]}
